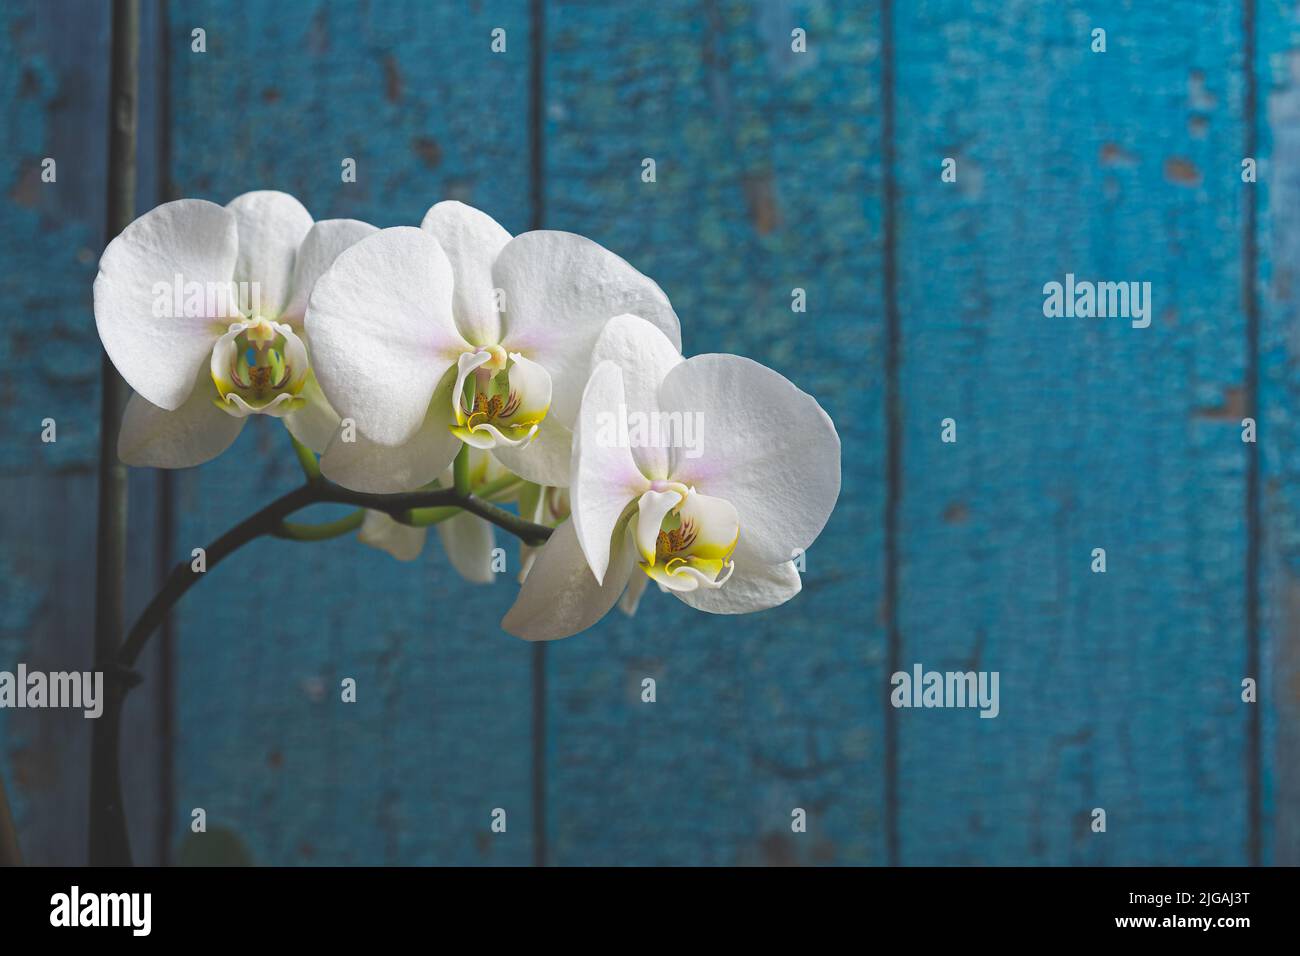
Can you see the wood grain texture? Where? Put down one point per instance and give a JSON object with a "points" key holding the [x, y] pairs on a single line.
{"points": [[1120, 690], [1278, 74], [52, 86], [439, 735], [768, 179]]}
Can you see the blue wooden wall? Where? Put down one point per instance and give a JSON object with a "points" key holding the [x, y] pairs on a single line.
{"points": [[775, 170]]}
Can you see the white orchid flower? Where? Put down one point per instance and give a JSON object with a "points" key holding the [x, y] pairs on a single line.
{"points": [[200, 307], [550, 507], [466, 538], [403, 541], [547, 506], [455, 332], [714, 518]]}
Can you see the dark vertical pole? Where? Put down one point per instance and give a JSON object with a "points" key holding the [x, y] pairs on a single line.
{"points": [[536, 172], [109, 844], [1250, 306], [539, 754], [9, 853], [893, 429]]}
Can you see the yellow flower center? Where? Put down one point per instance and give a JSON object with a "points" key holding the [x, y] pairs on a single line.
{"points": [[259, 367], [686, 539], [490, 408], [674, 543]]}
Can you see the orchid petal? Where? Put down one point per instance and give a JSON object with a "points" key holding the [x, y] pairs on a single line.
{"points": [[225, 353], [646, 356], [367, 466], [714, 524], [488, 437], [532, 384], [482, 468], [466, 364], [527, 555], [545, 460], [271, 226], [278, 407], [319, 249], [766, 447], [315, 423], [472, 240], [382, 331], [295, 356], [188, 241], [532, 502], [541, 505], [560, 290], [631, 598], [559, 597], [652, 508], [605, 477], [467, 539], [382, 531], [689, 575], [753, 586], [198, 431]]}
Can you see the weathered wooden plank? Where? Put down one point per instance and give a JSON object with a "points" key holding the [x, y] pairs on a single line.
{"points": [[50, 245], [439, 735], [1120, 690], [52, 81], [52, 85], [1278, 76], [767, 179]]}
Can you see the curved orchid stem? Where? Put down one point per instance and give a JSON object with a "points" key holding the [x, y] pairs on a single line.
{"points": [[296, 531], [460, 470], [427, 517], [271, 521], [183, 576], [424, 507], [504, 483], [400, 506], [307, 459]]}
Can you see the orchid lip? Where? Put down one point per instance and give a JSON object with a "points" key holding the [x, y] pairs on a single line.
{"points": [[259, 367], [685, 539], [500, 398]]}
